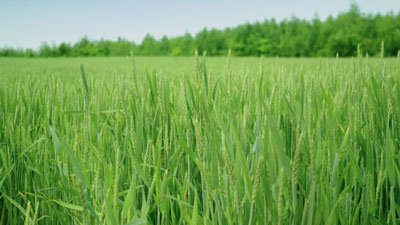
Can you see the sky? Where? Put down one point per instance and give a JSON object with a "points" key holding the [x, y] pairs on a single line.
{"points": [[28, 23]]}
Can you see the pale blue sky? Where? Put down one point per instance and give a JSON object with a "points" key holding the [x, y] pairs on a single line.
{"points": [[26, 23]]}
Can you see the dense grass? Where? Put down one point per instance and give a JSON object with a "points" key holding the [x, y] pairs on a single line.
{"points": [[173, 141]]}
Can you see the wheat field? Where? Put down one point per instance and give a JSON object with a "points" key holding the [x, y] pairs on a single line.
{"points": [[199, 140]]}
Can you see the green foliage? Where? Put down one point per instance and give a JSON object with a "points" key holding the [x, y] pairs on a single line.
{"points": [[289, 38], [151, 140]]}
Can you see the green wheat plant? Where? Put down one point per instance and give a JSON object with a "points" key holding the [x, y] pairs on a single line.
{"points": [[200, 141]]}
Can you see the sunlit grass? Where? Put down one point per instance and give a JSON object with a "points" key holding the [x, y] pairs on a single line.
{"points": [[188, 141]]}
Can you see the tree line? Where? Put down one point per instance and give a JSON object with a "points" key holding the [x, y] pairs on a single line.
{"points": [[347, 34]]}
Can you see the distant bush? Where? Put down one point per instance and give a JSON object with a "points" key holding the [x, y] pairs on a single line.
{"points": [[292, 37]]}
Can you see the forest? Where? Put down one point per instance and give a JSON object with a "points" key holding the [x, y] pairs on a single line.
{"points": [[347, 34]]}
